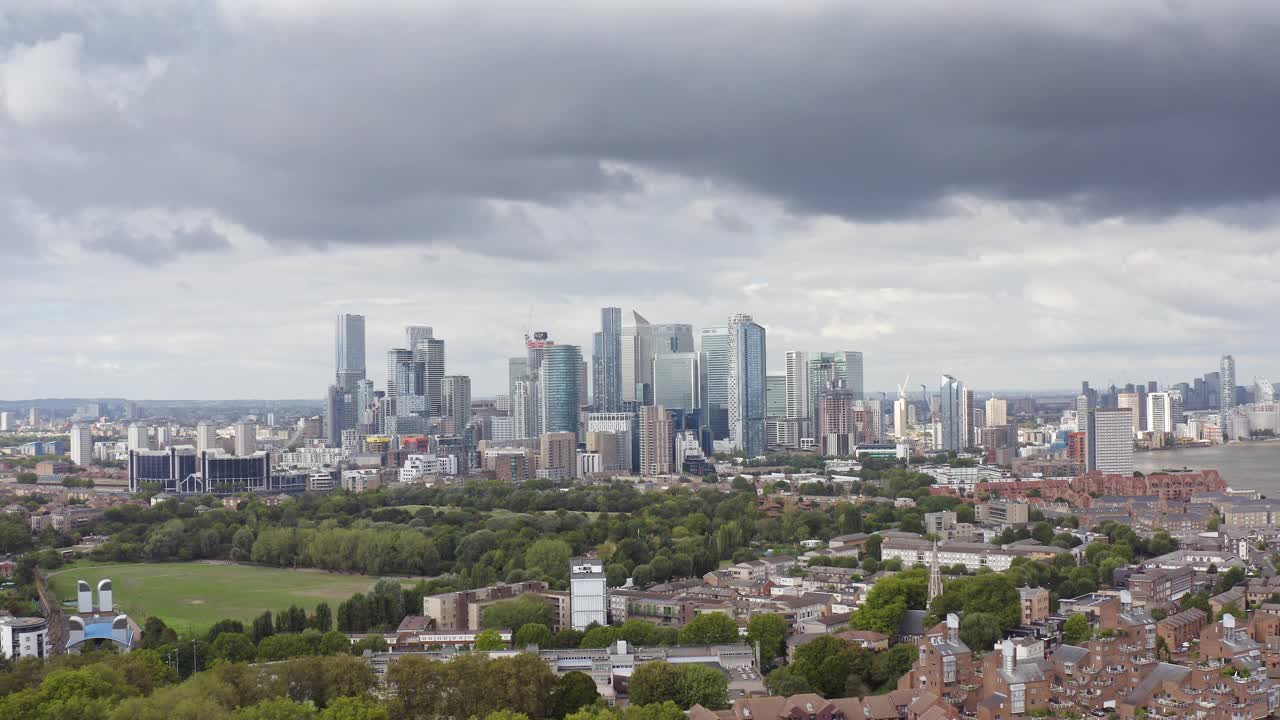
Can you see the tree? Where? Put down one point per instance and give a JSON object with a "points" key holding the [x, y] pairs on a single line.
{"points": [[702, 685], [216, 629], [322, 620], [770, 631], [655, 682], [787, 681], [710, 628], [549, 558], [826, 663], [980, 631], [234, 647], [532, 634], [156, 634], [355, 708], [489, 640], [276, 709], [574, 691], [263, 627], [1076, 629], [515, 614]]}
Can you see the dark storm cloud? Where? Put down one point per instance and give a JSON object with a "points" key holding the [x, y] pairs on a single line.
{"points": [[387, 129], [153, 249]]}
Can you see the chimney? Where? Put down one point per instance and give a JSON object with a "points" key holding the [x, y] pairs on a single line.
{"points": [[1126, 600], [1009, 655], [953, 627], [104, 596], [85, 599]]}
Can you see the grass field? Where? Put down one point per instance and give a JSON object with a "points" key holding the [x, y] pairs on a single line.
{"points": [[196, 595]]}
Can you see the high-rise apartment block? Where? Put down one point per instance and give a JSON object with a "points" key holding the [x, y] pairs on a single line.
{"points": [[81, 445], [589, 595], [746, 387], [349, 350], [558, 376], [997, 412], [1110, 440], [953, 414], [606, 359], [656, 441]]}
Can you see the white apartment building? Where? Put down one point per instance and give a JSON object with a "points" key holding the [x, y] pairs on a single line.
{"points": [[418, 466]]}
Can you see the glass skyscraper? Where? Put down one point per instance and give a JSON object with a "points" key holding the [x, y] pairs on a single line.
{"points": [[606, 361], [677, 382], [747, 385], [953, 414], [349, 351], [561, 365]]}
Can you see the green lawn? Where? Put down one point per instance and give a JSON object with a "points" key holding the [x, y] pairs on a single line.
{"points": [[196, 595]]}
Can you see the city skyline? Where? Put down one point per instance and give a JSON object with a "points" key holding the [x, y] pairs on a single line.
{"points": [[1025, 238]]}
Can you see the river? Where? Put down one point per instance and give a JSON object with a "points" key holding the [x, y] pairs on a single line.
{"points": [[1242, 464]]}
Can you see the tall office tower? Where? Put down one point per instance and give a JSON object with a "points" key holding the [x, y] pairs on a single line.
{"points": [[677, 381], [6, 421], [997, 412], [1176, 408], [606, 359], [1263, 391], [775, 395], [1159, 413], [584, 386], [81, 445], [637, 354], [206, 437], [349, 349], [517, 369], [415, 334], [33, 417], [246, 438], [457, 400], [714, 347], [975, 416], [798, 401], [1212, 386], [1082, 405], [825, 369], [558, 377], [430, 352], [1131, 401], [672, 338], [339, 415], [953, 414], [1110, 440], [1152, 386], [588, 593], [747, 372], [138, 437], [524, 418], [656, 441]]}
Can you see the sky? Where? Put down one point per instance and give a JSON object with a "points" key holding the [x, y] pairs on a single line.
{"points": [[1023, 195]]}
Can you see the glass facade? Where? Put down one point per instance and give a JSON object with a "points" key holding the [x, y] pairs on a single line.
{"points": [[561, 365], [677, 381]]}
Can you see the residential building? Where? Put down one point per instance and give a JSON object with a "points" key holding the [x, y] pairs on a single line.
{"points": [[1227, 387], [349, 351], [140, 439], [1159, 413], [456, 390], [590, 596], [1110, 440], [428, 355], [81, 445], [1035, 604], [997, 410], [713, 345], [746, 387], [22, 637], [1002, 512], [246, 438], [1133, 402], [953, 414], [558, 458], [206, 437], [656, 441], [463, 610]]}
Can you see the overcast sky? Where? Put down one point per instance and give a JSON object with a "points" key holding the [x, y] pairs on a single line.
{"points": [[1020, 194]]}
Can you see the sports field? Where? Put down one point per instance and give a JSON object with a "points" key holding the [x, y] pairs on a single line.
{"points": [[196, 595]]}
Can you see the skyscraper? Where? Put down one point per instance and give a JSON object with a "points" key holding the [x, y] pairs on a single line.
{"points": [[1131, 401], [206, 437], [349, 351], [1159, 412], [415, 334], [403, 376], [457, 400], [775, 395], [672, 338], [81, 445], [246, 438], [559, 380], [339, 414], [139, 439], [1110, 440], [747, 372], [825, 369], [637, 354], [656, 441], [953, 414], [798, 406], [1227, 394], [430, 352], [517, 369], [606, 359], [714, 347], [677, 381]]}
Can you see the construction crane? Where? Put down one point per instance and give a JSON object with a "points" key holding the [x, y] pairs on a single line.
{"points": [[902, 389]]}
